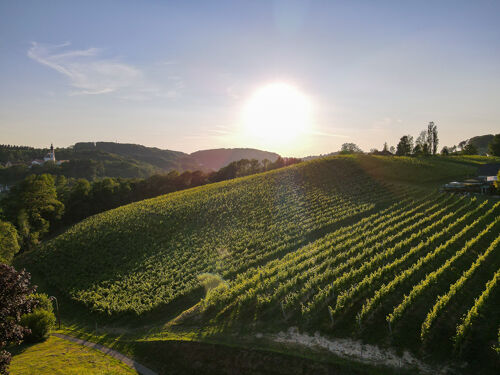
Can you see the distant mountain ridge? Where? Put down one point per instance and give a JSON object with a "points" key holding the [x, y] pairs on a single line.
{"points": [[111, 159], [162, 159], [217, 158]]}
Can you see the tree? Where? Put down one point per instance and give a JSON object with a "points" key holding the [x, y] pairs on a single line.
{"points": [[9, 244], [33, 204], [470, 149], [350, 148], [417, 150], [421, 146], [405, 146], [461, 145], [432, 138], [15, 290], [386, 148], [445, 151], [494, 146]]}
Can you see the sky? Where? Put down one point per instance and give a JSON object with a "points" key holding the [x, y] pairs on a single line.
{"points": [[179, 74]]}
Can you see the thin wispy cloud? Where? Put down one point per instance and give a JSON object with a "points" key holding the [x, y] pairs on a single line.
{"points": [[87, 71]]}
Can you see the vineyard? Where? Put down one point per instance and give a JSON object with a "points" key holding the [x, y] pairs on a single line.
{"points": [[355, 246]]}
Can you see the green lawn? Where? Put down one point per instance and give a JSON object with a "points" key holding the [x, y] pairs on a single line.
{"points": [[58, 356]]}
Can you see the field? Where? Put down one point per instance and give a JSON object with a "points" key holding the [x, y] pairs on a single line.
{"points": [[356, 247], [58, 356]]}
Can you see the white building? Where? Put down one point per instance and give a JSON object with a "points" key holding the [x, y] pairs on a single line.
{"points": [[51, 156]]}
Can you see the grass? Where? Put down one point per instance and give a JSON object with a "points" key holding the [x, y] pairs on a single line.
{"points": [[57, 356]]}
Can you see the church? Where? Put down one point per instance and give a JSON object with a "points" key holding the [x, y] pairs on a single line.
{"points": [[50, 157]]}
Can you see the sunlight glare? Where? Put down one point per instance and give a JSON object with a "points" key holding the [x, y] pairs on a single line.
{"points": [[277, 114]]}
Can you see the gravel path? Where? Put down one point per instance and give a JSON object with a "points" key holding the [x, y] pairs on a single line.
{"points": [[113, 353]]}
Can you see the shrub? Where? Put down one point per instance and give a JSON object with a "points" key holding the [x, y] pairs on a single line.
{"points": [[42, 301], [40, 322]]}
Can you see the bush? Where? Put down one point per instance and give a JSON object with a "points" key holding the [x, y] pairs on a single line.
{"points": [[40, 322], [42, 301]]}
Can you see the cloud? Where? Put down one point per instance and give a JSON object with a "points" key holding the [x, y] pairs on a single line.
{"points": [[89, 73]]}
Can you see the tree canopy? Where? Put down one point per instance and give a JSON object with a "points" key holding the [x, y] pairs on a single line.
{"points": [[350, 148], [9, 244], [32, 205], [405, 146], [494, 147]]}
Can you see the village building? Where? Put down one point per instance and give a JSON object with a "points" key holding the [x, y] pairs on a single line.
{"points": [[50, 157]]}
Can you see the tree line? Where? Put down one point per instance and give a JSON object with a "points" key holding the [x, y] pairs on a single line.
{"points": [[424, 145]]}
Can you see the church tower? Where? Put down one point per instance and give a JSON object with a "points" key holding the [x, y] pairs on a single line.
{"points": [[51, 156]]}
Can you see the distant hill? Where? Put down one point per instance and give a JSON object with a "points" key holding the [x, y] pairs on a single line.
{"points": [[109, 159], [218, 158], [481, 142], [162, 159]]}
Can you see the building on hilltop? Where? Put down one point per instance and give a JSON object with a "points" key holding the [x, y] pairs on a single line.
{"points": [[50, 157]]}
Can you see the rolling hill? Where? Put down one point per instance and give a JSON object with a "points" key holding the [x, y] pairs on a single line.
{"points": [[109, 159], [481, 142], [218, 158], [347, 246]]}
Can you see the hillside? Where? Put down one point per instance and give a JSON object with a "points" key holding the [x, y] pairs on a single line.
{"points": [[481, 142], [92, 160], [161, 159], [218, 158], [348, 246]]}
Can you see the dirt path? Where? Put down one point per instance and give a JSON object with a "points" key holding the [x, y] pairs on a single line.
{"points": [[113, 353]]}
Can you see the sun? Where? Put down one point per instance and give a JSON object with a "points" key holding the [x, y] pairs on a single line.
{"points": [[277, 114]]}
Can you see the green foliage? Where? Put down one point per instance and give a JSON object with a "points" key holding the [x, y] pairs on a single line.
{"points": [[432, 138], [9, 244], [470, 149], [494, 146], [350, 148], [39, 322], [405, 146], [334, 244], [159, 246], [481, 143], [212, 283], [33, 205], [42, 301]]}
